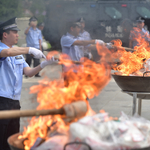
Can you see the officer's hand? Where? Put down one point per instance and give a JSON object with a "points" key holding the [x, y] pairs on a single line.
{"points": [[49, 62], [109, 45], [100, 42], [36, 53]]}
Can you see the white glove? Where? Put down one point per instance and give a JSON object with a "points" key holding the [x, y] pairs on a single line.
{"points": [[48, 62], [109, 45], [90, 56], [36, 53], [100, 42]]}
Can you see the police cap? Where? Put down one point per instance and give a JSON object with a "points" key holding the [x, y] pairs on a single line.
{"points": [[81, 20], [9, 25], [76, 24], [40, 24], [33, 19], [140, 20]]}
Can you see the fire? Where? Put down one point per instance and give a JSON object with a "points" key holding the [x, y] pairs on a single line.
{"points": [[86, 82], [132, 62]]}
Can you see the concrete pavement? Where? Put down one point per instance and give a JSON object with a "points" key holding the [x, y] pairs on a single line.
{"points": [[111, 99]]}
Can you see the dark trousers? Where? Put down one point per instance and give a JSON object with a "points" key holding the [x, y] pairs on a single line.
{"points": [[8, 127], [29, 58]]}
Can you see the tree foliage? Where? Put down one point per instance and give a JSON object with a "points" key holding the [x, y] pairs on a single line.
{"points": [[38, 8], [10, 8]]}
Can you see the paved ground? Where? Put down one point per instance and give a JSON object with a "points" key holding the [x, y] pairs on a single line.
{"points": [[111, 99]]}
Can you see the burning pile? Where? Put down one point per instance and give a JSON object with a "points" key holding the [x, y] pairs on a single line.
{"points": [[86, 82], [131, 63]]}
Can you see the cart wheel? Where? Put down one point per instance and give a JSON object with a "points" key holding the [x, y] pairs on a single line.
{"points": [[87, 147]]}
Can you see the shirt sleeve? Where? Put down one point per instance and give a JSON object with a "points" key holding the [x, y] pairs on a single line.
{"points": [[25, 64], [40, 36], [67, 41], [88, 37], [28, 31], [2, 58]]}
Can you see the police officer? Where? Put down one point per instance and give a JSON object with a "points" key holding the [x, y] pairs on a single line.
{"points": [[33, 39], [73, 45], [40, 26], [84, 34], [12, 67], [138, 34]]}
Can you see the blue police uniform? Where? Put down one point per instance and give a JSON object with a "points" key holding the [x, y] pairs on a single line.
{"points": [[145, 31], [85, 35], [137, 33], [11, 71], [33, 37], [74, 51]]}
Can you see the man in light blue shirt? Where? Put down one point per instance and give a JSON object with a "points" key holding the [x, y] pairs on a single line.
{"points": [[73, 45], [33, 39], [138, 35], [12, 68], [86, 36]]}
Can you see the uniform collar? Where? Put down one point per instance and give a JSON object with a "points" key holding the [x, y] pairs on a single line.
{"points": [[35, 28], [70, 35], [82, 31], [4, 45]]}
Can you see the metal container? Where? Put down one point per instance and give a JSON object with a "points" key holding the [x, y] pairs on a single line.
{"points": [[138, 84], [133, 83], [11, 141], [13, 138]]}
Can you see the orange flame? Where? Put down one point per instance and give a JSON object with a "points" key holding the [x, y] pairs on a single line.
{"points": [[132, 62], [89, 79]]}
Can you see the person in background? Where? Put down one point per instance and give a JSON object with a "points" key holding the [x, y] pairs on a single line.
{"points": [[12, 68], [45, 44], [145, 29], [138, 34], [40, 26], [33, 39], [73, 45], [85, 36]]}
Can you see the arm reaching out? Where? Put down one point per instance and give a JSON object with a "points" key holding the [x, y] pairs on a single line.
{"points": [[33, 71], [14, 51]]}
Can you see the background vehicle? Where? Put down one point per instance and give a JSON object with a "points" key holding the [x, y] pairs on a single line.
{"points": [[105, 19]]}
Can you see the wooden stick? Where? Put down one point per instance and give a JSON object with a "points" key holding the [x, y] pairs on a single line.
{"points": [[126, 48], [75, 109], [28, 113], [129, 49]]}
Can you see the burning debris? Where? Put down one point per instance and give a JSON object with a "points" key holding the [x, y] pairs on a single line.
{"points": [[87, 82], [132, 63], [97, 132], [84, 83]]}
